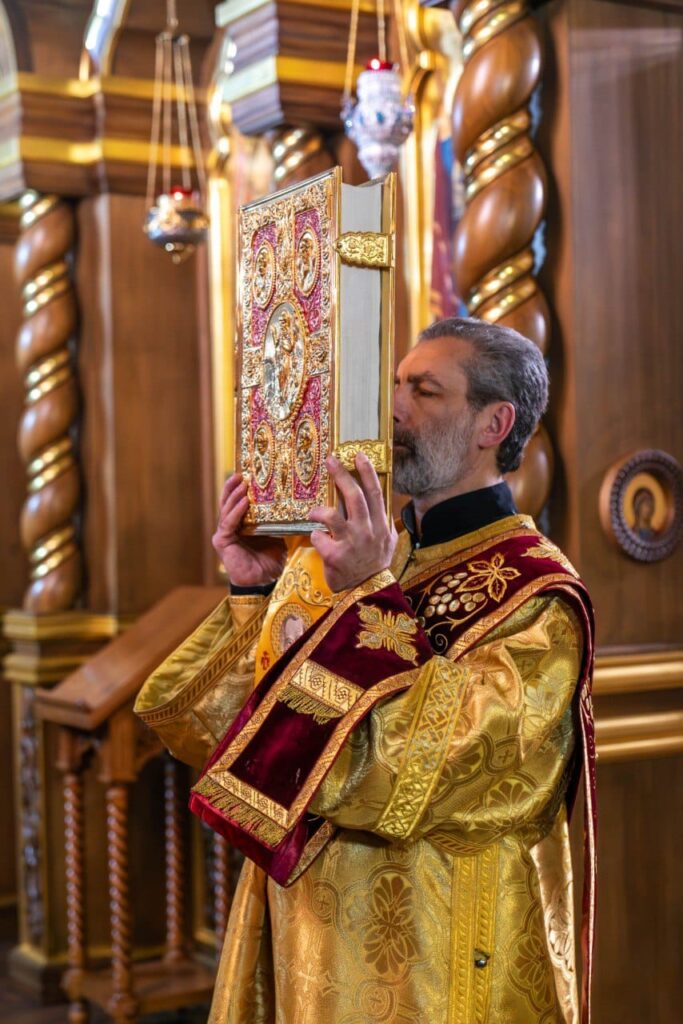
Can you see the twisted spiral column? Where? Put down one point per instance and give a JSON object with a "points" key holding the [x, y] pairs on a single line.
{"points": [[175, 864], [122, 1005], [73, 850], [46, 432], [221, 889], [299, 153], [505, 190]]}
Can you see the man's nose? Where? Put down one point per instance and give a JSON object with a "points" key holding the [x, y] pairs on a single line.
{"points": [[399, 405]]}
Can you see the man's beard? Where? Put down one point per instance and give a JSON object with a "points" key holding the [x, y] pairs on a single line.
{"points": [[432, 459]]}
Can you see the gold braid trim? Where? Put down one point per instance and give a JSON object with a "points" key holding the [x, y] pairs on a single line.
{"points": [[474, 892], [249, 818], [306, 705], [426, 749], [316, 691], [226, 657]]}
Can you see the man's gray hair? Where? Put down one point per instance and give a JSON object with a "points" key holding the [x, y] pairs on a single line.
{"points": [[505, 367]]}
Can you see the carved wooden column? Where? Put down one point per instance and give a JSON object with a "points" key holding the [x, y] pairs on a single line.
{"points": [[299, 153], [174, 807], [122, 1005], [71, 761], [222, 888], [495, 259], [46, 434], [48, 638]]}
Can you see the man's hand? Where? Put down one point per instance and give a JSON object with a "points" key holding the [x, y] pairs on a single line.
{"points": [[248, 561], [361, 544]]}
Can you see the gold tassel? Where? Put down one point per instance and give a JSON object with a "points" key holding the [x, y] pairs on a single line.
{"points": [[248, 818], [306, 705]]}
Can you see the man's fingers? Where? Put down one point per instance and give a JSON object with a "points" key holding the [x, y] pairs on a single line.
{"points": [[354, 499], [239, 494], [231, 518], [323, 544], [229, 486], [372, 488], [330, 518]]}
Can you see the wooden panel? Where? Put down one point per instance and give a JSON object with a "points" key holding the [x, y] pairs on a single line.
{"points": [[141, 427], [612, 129], [640, 898]]}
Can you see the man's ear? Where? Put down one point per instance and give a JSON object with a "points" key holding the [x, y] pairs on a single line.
{"points": [[498, 422]]}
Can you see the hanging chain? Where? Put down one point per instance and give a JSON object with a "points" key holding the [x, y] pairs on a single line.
{"points": [[381, 31], [181, 104], [171, 16], [156, 119], [167, 76], [351, 53], [194, 123], [402, 41]]}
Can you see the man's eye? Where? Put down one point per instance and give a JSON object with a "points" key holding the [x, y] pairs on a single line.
{"points": [[426, 394]]}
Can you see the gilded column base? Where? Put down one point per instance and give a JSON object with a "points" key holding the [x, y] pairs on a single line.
{"points": [[37, 973]]}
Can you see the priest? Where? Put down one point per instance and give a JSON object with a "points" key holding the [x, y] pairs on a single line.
{"points": [[395, 725]]}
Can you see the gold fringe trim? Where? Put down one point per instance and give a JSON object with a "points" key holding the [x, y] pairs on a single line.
{"points": [[306, 705], [248, 818]]}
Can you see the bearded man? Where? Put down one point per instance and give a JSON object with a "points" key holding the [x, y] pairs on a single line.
{"points": [[399, 778]]}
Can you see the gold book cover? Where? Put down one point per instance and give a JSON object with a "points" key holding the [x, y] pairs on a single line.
{"points": [[315, 343]]}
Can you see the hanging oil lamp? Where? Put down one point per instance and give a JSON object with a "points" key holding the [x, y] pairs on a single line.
{"points": [[176, 220], [381, 119]]}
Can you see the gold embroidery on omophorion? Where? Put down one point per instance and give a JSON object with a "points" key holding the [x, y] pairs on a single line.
{"points": [[546, 549], [493, 575], [393, 630], [426, 749], [248, 818]]}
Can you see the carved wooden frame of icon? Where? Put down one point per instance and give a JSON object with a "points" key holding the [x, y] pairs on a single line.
{"points": [[641, 505]]}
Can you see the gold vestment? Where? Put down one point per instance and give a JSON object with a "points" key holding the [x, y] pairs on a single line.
{"points": [[469, 917]]}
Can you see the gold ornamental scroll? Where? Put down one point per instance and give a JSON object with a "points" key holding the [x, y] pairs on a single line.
{"points": [[315, 348]]}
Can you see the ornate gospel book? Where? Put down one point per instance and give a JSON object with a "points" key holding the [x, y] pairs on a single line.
{"points": [[315, 346]]}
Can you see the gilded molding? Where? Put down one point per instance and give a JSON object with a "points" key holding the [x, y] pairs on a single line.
{"points": [[232, 10], [637, 673], [630, 737]]}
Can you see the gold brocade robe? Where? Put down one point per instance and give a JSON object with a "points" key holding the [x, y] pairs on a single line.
{"points": [[470, 919]]}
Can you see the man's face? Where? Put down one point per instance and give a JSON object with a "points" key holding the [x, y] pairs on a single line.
{"points": [[434, 427]]}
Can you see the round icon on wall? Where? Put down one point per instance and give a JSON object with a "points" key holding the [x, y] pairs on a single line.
{"points": [[641, 504]]}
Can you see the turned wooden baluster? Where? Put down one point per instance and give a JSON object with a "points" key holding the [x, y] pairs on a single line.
{"points": [[71, 761], [222, 888], [122, 1005], [175, 864]]}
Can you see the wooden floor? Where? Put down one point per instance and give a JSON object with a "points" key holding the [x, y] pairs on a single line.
{"points": [[16, 1007]]}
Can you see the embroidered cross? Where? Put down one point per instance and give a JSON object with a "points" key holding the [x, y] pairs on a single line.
{"points": [[393, 630]]}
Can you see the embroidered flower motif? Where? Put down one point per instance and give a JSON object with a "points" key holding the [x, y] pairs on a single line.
{"points": [[546, 549], [392, 630], [493, 576], [389, 944], [531, 970]]}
